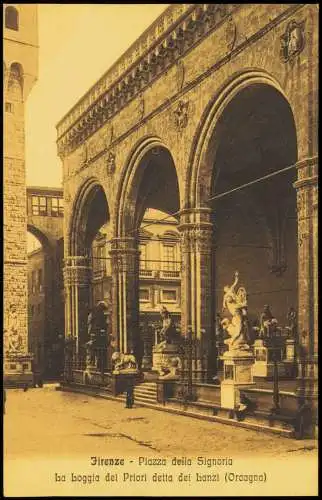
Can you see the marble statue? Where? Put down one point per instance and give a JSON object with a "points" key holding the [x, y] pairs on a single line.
{"points": [[219, 328], [236, 327], [89, 323], [168, 332], [90, 354], [268, 324], [123, 362], [291, 323], [171, 370]]}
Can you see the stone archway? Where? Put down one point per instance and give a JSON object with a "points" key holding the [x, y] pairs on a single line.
{"points": [[239, 128], [90, 213], [149, 180], [45, 303]]}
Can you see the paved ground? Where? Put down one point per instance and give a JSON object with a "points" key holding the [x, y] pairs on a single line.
{"points": [[72, 423], [50, 437]]}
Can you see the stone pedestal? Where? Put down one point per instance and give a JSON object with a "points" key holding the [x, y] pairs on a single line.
{"points": [[290, 358], [237, 374], [162, 358], [120, 381], [264, 353], [290, 352], [18, 370]]}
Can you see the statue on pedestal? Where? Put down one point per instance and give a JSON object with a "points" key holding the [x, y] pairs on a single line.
{"points": [[291, 323], [123, 362], [268, 324], [168, 333], [237, 327], [90, 321], [90, 354], [172, 370]]}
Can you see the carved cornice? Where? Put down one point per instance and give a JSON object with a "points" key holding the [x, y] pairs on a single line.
{"points": [[173, 33], [196, 236]]}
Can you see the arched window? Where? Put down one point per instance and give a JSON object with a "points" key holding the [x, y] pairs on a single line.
{"points": [[15, 83], [16, 71], [12, 18]]}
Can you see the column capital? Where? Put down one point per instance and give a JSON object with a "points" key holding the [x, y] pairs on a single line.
{"points": [[126, 244], [76, 271], [196, 215], [125, 254], [307, 172], [196, 236]]}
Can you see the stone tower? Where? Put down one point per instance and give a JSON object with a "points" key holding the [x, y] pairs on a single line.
{"points": [[20, 73]]}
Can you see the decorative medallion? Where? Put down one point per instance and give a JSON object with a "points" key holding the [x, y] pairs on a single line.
{"points": [[180, 74], [110, 163], [293, 40], [231, 34], [181, 114]]}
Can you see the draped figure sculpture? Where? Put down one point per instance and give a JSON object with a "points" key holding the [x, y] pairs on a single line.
{"points": [[168, 332], [237, 326]]}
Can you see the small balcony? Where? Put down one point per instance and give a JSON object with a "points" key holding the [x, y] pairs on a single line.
{"points": [[146, 273], [169, 274]]}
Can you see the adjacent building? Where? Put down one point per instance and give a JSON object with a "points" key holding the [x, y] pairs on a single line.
{"points": [[45, 213]]}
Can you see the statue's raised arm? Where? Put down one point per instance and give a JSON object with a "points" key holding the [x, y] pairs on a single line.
{"points": [[229, 293], [233, 286]]}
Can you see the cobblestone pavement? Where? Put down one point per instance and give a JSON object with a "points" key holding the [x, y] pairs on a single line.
{"points": [[64, 424]]}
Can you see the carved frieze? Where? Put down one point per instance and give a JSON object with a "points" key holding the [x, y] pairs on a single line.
{"points": [[292, 41], [194, 25]]}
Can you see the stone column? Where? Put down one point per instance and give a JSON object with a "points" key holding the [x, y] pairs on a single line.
{"points": [[77, 288], [307, 192], [125, 293], [196, 287]]}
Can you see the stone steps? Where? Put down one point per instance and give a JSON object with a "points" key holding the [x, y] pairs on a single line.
{"points": [[146, 392]]}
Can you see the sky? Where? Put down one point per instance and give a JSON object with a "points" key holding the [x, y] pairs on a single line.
{"points": [[77, 44]]}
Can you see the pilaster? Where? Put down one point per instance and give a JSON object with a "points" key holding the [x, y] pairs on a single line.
{"points": [[307, 199], [125, 292], [196, 287], [77, 273]]}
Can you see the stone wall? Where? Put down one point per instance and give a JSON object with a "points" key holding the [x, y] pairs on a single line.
{"points": [[15, 218]]}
